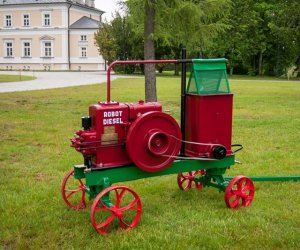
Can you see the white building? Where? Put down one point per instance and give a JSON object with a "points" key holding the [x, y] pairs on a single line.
{"points": [[49, 35]]}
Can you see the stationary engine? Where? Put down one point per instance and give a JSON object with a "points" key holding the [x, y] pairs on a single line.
{"points": [[117, 134]]}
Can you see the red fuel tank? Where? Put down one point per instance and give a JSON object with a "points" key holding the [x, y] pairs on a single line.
{"points": [[208, 120]]}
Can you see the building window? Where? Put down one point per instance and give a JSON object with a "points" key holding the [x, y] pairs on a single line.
{"points": [[8, 49], [8, 21], [26, 49], [47, 47], [83, 51], [83, 38], [47, 19], [26, 20]]}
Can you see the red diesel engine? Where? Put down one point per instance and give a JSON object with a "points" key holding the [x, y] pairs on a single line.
{"points": [[117, 134]]}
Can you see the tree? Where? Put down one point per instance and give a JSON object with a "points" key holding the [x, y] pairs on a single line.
{"points": [[149, 51], [284, 23], [190, 23], [116, 41], [263, 36], [106, 43]]}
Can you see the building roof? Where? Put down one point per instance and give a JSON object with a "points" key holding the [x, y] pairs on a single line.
{"points": [[30, 1], [85, 23], [73, 2]]}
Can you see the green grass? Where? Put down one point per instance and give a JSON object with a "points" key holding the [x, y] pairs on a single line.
{"points": [[35, 128], [15, 78]]}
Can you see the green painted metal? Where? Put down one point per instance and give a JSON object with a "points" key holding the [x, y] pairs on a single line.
{"points": [[208, 76], [213, 178], [79, 171], [209, 64], [129, 173], [269, 178], [99, 179]]}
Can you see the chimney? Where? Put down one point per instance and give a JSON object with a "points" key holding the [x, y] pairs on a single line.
{"points": [[90, 3]]}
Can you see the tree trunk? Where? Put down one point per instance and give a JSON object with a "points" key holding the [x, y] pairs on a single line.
{"points": [[149, 51], [231, 70], [260, 64], [177, 55]]}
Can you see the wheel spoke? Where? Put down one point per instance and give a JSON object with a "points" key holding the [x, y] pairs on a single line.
{"points": [[129, 206], [235, 202], [119, 196], [81, 183], [247, 187], [235, 192], [122, 223], [239, 185], [189, 185], [106, 223], [189, 175], [183, 181], [72, 192]]}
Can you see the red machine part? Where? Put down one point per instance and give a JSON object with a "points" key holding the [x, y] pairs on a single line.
{"points": [[239, 192], [104, 141], [185, 181], [153, 141], [208, 121], [73, 191], [124, 209], [137, 109], [85, 142], [110, 122]]}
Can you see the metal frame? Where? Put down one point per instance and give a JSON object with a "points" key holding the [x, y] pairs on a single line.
{"points": [[101, 178]]}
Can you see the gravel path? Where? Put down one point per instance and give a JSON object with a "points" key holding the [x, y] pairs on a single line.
{"points": [[49, 80]]}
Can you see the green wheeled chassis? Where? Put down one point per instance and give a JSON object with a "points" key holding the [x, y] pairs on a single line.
{"points": [[122, 204]]}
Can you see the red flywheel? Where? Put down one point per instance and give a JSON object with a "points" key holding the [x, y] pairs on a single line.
{"points": [[153, 141]]}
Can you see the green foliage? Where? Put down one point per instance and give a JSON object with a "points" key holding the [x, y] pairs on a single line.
{"points": [[263, 36], [189, 23], [182, 23], [35, 127], [257, 36], [116, 40]]}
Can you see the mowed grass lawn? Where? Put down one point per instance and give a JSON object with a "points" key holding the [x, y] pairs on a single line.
{"points": [[15, 78], [35, 128]]}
